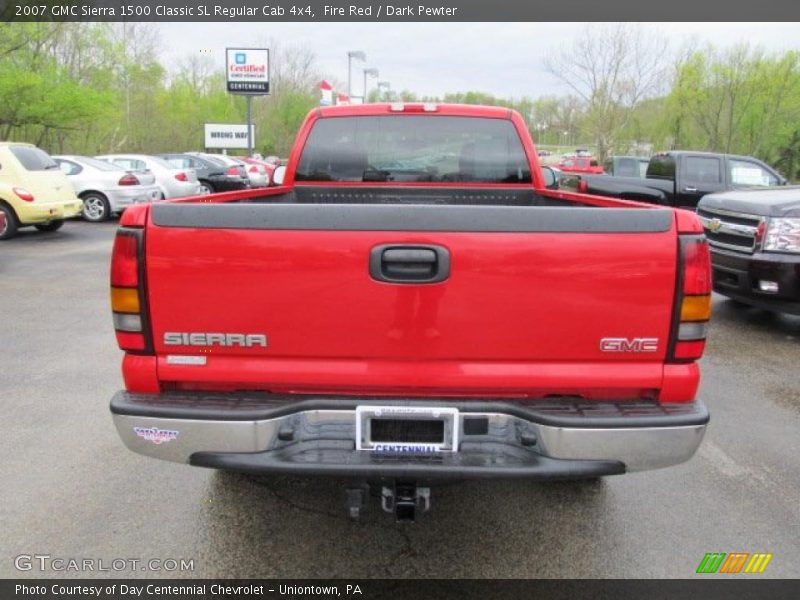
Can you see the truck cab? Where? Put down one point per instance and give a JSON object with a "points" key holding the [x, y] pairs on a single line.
{"points": [[695, 174]]}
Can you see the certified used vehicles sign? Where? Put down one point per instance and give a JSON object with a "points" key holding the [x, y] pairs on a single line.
{"points": [[247, 70]]}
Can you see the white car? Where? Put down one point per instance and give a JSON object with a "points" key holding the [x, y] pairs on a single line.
{"points": [[104, 188], [173, 182]]}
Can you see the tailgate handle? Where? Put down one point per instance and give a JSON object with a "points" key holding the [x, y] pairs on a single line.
{"points": [[409, 263]]}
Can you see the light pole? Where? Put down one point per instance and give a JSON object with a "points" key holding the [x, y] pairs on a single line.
{"points": [[541, 128], [358, 55], [372, 72]]}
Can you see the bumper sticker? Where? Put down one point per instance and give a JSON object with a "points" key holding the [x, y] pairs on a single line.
{"points": [[156, 435]]}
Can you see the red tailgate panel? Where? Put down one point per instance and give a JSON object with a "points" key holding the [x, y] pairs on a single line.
{"points": [[521, 313]]}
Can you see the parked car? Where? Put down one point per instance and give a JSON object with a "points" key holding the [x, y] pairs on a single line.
{"points": [[235, 168], [33, 190], [406, 313], [755, 245], [213, 175], [626, 166], [104, 188], [579, 164], [267, 168], [257, 177], [682, 178], [173, 182]]}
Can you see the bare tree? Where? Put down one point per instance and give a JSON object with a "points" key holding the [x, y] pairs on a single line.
{"points": [[612, 70]]}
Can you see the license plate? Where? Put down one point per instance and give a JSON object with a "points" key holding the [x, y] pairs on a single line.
{"points": [[406, 429]]}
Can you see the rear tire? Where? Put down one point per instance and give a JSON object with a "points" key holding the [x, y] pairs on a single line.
{"points": [[206, 188], [51, 226], [8, 222], [95, 207]]}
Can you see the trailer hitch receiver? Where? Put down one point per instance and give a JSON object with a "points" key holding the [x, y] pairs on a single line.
{"points": [[405, 500]]}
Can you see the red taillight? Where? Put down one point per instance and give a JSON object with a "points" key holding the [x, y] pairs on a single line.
{"points": [[693, 302], [129, 179], [181, 176], [125, 261], [127, 294], [689, 350], [696, 266], [130, 341], [233, 171], [23, 194]]}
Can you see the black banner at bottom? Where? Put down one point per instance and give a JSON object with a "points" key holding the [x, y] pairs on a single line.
{"points": [[410, 589]]}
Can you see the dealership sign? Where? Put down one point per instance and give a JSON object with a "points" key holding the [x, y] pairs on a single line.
{"points": [[226, 135], [247, 70]]}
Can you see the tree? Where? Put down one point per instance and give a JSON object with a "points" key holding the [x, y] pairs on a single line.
{"points": [[294, 91], [739, 100], [613, 69], [789, 158]]}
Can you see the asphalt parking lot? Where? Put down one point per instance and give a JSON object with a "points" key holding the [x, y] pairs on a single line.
{"points": [[70, 488]]}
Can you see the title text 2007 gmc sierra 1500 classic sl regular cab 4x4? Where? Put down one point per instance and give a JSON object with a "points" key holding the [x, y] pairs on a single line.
{"points": [[412, 304]]}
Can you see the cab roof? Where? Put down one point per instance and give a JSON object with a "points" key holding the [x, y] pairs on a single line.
{"points": [[416, 108]]}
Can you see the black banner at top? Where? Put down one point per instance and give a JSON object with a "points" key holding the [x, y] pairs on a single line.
{"points": [[396, 11]]}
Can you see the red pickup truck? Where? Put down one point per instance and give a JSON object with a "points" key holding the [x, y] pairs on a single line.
{"points": [[412, 303]]}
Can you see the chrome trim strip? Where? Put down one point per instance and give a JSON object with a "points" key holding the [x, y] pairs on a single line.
{"points": [[747, 232], [730, 213]]}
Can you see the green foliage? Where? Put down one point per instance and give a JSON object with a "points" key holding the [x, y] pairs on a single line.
{"points": [[741, 101], [789, 157], [97, 87]]}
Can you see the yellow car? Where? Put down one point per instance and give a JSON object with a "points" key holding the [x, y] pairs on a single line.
{"points": [[33, 190]]}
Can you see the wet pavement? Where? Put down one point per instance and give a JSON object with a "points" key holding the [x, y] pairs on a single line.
{"points": [[70, 489]]}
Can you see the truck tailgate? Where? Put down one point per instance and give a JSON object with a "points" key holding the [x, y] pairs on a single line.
{"points": [[530, 296]]}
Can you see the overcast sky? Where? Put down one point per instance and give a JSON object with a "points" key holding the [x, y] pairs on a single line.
{"points": [[504, 59]]}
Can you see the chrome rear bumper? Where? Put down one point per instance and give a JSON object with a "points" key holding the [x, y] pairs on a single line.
{"points": [[317, 436]]}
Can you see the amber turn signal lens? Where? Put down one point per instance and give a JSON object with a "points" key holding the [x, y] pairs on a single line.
{"points": [[124, 300], [696, 308]]}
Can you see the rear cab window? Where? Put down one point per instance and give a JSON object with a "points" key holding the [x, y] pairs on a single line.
{"points": [[33, 159], [408, 148], [662, 166]]}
